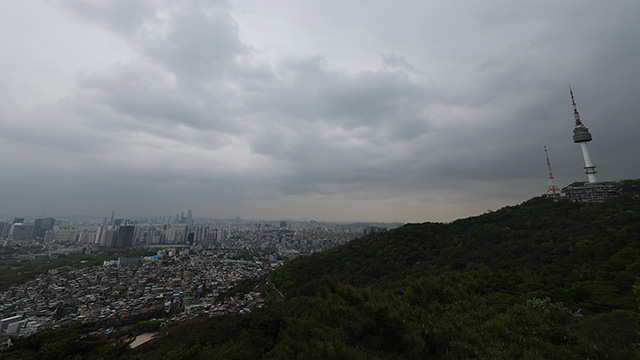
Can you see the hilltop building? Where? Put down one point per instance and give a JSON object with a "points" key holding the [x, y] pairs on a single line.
{"points": [[591, 192]]}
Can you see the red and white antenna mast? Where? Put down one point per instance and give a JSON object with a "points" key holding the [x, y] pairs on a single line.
{"points": [[552, 189], [576, 115]]}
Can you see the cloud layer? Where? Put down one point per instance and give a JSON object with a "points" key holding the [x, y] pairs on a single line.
{"points": [[416, 111]]}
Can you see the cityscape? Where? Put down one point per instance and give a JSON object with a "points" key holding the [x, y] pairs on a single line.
{"points": [[189, 265], [285, 237], [245, 179]]}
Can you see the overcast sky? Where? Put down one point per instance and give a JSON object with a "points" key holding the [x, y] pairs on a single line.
{"points": [[356, 110]]}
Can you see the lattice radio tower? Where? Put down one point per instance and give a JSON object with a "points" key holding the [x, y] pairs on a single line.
{"points": [[552, 189]]}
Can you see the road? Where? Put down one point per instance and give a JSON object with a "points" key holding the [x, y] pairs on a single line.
{"points": [[275, 289]]}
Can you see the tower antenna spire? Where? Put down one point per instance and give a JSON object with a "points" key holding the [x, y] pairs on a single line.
{"points": [[576, 115], [552, 189]]}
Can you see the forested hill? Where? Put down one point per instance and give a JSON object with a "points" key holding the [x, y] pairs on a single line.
{"points": [[541, 280], [561, 249]]}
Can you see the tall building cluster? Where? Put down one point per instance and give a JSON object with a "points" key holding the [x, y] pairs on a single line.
{"points": [[20, 230], [181, 219], [179, 230], [114, 232]]}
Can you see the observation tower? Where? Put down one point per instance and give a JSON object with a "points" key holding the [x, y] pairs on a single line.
{"points": [[582, 136], [592, 190]]}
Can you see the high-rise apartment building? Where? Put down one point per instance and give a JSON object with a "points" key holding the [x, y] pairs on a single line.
{"points": [[125, 235], [65, 234], [4, 229], [42, 225]]}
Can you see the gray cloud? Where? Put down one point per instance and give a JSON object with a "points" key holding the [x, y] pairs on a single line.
{"points": [[394, 61], [124, 17], [234, 108]]}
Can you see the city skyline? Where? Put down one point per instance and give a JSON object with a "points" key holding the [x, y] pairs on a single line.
{"points": [[330, 111]]}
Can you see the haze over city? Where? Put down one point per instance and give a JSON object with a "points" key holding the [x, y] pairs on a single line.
{"points": [[333, 111]]}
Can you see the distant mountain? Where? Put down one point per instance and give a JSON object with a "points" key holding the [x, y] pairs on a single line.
{"points": [[544, 279]]}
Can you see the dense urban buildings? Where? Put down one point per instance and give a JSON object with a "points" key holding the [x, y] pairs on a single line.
{"points": [[177, 285], [287, 238], [196, 261]]}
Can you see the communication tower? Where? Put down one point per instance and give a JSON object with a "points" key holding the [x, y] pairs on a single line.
{"points": [[592, 190], [582, 136], [552, 189]]}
